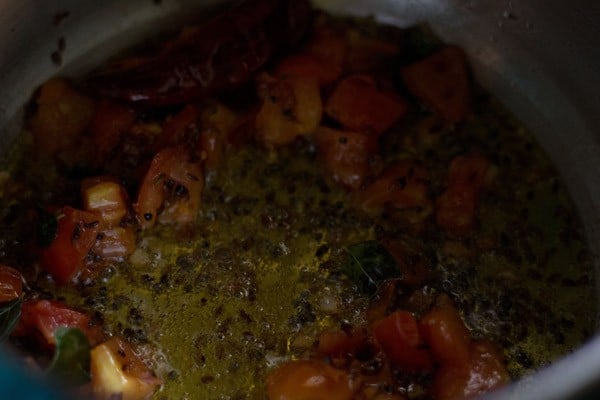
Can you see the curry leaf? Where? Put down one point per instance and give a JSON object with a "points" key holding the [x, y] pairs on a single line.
{"points": [[48, 225], [9, 316], [369, 264], [71, 362]]}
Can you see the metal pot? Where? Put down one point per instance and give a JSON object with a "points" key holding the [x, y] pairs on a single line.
{"points": [[540, 57]]}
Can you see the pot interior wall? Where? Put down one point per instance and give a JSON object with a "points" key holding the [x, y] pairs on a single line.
{"points": [[539, 57]]}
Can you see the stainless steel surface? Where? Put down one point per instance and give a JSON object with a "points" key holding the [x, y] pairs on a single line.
{"points": [[540, 57]]}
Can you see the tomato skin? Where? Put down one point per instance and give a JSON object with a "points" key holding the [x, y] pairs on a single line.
{"points": [[448, 338], [483, 373], [345, 155], [42, 317], [398, 334], [171, 166], [441, 81], [76, 234], [359, 106], [308, 380], [11, 284]]}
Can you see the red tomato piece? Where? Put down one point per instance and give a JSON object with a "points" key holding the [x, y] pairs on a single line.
{"points": [[308, 380], [441, 81], [398, 334], [328, 46], [309, 66], [11, 284], [340, 343], [106, 197], [75, 235], [292, 107], [109, 123], [218, 122], [42, 317], [483, 373], [346, 155], [174, 184], [115, 244], [177, 126], [62, 115], [457, 206], [117, 371], [403, 185], [360, 106], [367, 53], [444, 331], [472, 169], [456, 209]]}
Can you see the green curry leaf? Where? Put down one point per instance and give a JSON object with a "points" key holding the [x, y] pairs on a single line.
{"points": [[10, 313], [369, 264], [48, 225], [71, 362]]}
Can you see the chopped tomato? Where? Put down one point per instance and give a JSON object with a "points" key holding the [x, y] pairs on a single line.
{"points": [[118, 372], [109, 123], [346, 155], [291, 107], [308, 380], [471, 169], [115, 243], [218, 122], [444, 331], [404, 184], [328, 46], [456, 209], [11, 284], [176, 127], [457, 205], [340, 343], [76, 233], [105, 197], [309, 66], [172, 184], [398, 335], [62, 115], [42, 317], [367, 53], [360, 106], [441, 81], [483, 373]]}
